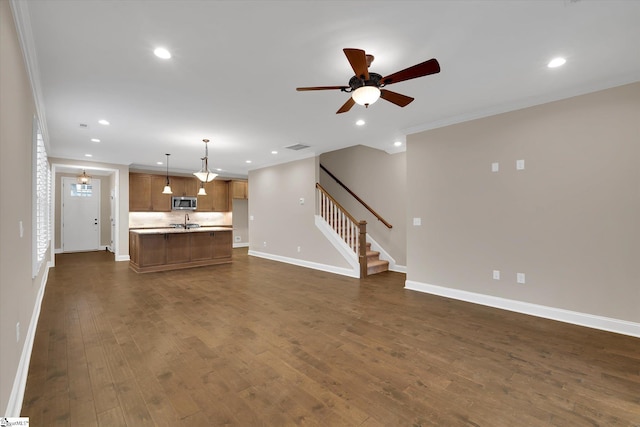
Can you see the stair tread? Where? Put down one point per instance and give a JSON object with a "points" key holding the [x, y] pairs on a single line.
{"points": [[377, 262]]}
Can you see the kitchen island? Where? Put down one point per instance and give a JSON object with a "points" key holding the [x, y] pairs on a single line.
{"points": [[161, 249]]}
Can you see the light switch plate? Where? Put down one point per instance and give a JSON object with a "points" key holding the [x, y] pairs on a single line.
{"points": [[519, 165], [417, 221], [496, 274], [520, 278], [495, 167]]}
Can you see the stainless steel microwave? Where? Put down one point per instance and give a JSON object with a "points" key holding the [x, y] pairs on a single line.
{"points": [[184, 203]]}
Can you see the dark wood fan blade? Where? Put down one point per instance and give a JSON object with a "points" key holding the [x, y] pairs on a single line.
{"points": [[423, 69], [358, 60], [395, 98], [321, 88], [347, 106]]}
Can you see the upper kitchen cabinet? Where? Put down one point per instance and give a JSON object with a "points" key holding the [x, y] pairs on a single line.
{"points": [[239, 189], [145, 193], [217, 198], [140, 192], [159, 202], [184, 186]]}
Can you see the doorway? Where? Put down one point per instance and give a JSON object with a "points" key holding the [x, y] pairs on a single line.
{"points": [[80, 215]]}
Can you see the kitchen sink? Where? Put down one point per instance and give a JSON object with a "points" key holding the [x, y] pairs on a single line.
{"points": [[187, 226]]}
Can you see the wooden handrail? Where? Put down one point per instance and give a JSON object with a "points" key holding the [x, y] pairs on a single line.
{"points": [[335, 202], [355, 196]]}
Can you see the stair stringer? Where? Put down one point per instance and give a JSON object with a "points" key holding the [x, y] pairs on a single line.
{"points": [[342, 247]]}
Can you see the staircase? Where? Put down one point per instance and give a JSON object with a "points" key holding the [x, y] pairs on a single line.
{"points": [[351, 231], [375, 265]]}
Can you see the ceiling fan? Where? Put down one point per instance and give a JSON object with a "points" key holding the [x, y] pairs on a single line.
{"points": [[366, 87]]}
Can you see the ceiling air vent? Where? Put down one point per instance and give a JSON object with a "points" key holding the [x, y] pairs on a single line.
{"points": [[297, 147]]}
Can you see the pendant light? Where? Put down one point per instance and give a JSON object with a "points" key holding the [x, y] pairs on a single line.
{"points": [[201, 190], [167, 188], [204, 174], [84, 179]]}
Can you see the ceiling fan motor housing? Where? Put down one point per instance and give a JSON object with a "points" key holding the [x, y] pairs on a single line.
{"points": [[355, 82]]}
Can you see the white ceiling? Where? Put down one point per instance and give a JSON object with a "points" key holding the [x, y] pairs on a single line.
{"points": [[236, 65]]}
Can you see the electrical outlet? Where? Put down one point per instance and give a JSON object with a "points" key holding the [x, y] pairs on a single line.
{"points": [[520, 278], [264, 244], [496, 274], [298, 248], [18, 332], [237, 239], [301, 200]]}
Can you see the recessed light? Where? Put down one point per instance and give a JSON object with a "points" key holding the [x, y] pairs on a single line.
{"points": [[159, 163], [95, 140], [103, 122], [219, 170], [397, 143], [556, 62], [161, 52], [274, 152], [360, 122], [248, 161], [88, 155]]}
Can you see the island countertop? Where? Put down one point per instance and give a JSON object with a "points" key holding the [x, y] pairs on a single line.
{"points": [[172, 230]]}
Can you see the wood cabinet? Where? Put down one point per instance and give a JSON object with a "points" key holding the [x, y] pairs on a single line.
{"points": [[217, 198], [145, 192], [159, 202], [222, 244], [212, 245], [176, 250], [139, 192], [148, 251], [239, 189], [184, 186]]}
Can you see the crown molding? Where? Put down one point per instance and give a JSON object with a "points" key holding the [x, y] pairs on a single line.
{"points": [[22, 19]]}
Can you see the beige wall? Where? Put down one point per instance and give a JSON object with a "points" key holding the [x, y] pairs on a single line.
{"points": [[105, 208], [281, 221], [379, 179], [570, 221], [240, 222], [19, 292]]}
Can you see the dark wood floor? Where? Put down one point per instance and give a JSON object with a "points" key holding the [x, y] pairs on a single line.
{"points": [[263, 343]]}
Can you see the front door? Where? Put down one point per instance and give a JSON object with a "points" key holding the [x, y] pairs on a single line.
{"points": [[80, 215]]}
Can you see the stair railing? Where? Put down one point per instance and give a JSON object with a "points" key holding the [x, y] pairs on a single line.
{"points": [[355, 196], [352, 231]]}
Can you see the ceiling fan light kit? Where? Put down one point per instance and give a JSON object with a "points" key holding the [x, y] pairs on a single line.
{"points": [[366, 87], [366, 95]]}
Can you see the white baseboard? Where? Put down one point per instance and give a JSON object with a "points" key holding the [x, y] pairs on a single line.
{"points": [[241, 245], [307, 264], [398, 268], [123, 258], [583, 319], [20, 381]]}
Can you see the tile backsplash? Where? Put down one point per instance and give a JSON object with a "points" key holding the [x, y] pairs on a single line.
{"points": [[163, 219]]}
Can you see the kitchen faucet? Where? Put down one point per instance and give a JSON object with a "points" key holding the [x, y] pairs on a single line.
{"points": [[186, 218]]}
